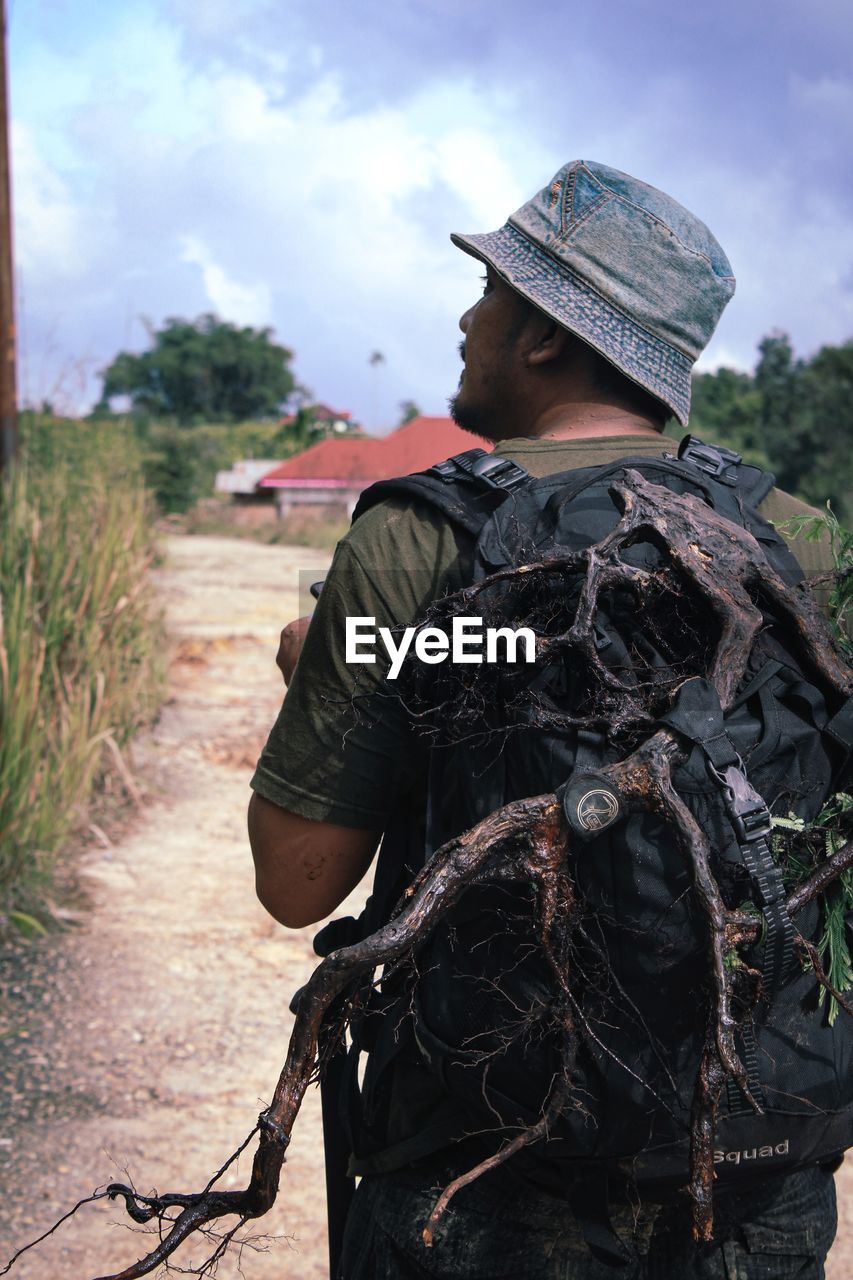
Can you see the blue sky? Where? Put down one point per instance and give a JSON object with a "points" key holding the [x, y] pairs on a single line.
{"points": [[300, 165]]}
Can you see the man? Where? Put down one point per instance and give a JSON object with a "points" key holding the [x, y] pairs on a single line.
{"points": [[599, 295]]}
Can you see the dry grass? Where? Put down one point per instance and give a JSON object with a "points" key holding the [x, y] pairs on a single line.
{"points": [[80, 640], [218, 518]]}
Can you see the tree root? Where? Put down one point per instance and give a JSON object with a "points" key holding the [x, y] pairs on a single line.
{"points": [[559, 1102]]}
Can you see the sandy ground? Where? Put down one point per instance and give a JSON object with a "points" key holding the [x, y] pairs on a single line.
{"points": [[147, 1038]]}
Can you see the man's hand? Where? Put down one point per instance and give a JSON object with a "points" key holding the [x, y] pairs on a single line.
{"points": [[290, 646], [304, 869]]}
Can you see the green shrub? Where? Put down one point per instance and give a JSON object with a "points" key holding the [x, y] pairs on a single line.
{"points": [[79, 634], [180, 462], [180, 466]]}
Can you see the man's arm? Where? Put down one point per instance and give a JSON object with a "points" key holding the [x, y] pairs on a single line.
{"points": [[304, 869], [290, 646], [341, 757]]}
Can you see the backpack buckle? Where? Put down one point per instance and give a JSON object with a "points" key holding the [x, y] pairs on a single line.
{"points": [[496, 473], [747, 812], [714, 459], [450, 468]]}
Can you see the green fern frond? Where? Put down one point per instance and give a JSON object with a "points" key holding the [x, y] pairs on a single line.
{"points": [[796, 845], [835, 949], [840, 600], [791, 823]]}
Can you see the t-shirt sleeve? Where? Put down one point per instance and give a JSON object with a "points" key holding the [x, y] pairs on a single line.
{"points": [[342, 749], [814, 555]]}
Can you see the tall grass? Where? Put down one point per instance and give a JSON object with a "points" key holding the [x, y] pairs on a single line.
{"points": [[79, 637]]}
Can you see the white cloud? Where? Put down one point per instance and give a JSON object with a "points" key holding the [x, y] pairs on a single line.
{"points": [[163, 179], [241, 108], [52, 237], [241, 303], [719, 356], [472, 166], [215, 19], [337, 210], [789, 248]]}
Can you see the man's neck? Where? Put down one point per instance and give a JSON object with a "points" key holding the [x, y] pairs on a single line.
{"points": [[590, 421]]}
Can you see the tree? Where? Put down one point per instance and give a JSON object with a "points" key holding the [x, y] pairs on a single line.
{"points": [[777, 378], [824, 412], [376, 360], [298, 432], [204, 370], [791, 416], [409, 410], [726, 409]]}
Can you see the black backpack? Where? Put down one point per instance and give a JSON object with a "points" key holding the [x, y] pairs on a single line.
{"points": [[480, 1005]]}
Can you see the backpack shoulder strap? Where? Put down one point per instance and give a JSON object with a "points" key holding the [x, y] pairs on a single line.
{"points": [[466, 488]]}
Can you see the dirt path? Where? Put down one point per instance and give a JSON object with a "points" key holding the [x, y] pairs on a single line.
{"points": [[148, 1038]]}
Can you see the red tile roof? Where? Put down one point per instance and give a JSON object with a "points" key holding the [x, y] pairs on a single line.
{"points": [[361, 460], [344, 458]]}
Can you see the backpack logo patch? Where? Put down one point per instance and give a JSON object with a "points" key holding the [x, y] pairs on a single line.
{"points": [[591, 803], [597, 809]]}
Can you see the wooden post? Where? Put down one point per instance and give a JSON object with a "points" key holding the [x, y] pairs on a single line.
{"points": [[8, 396]]}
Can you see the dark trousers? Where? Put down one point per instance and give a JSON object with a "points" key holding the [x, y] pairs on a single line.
{"points": [[500, 1228]]}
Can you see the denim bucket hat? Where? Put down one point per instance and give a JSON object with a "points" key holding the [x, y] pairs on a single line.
{"points": [[620, 264]]}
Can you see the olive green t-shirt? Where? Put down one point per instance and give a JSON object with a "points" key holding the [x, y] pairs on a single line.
{"points": [[342, 749]]}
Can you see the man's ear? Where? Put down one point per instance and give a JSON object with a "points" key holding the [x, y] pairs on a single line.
{"points": [[547, 342]]}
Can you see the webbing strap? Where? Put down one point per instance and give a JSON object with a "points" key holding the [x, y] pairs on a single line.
{"points": [[698, 716], [590, 750], [340, 1186], [779, 934], [738, 1104], [840, 727], [750, 819], [589, 1201]]}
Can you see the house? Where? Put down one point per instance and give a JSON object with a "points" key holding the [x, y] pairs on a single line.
{"points": [[242, 479], [330, 475]]}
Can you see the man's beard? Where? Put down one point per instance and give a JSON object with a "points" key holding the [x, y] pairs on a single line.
{"points": [[471, 418]]}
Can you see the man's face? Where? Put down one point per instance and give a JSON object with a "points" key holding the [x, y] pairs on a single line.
{"points": [[489, 384]]}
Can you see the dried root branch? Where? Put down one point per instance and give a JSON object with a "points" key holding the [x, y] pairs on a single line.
{"points": [[561, 1100]]}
